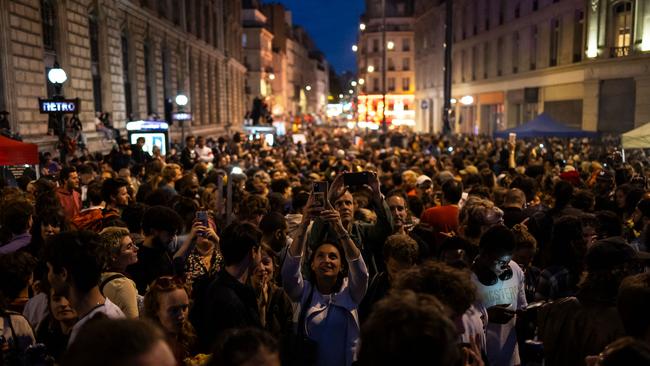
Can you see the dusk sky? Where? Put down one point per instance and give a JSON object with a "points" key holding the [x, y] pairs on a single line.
{"points": [[333, 26]]}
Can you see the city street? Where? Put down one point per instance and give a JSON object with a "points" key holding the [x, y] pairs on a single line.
{"points": [[324, 183]]}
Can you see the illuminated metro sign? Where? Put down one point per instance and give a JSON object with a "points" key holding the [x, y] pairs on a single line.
{"points": [[59, 105], [182, 116]]}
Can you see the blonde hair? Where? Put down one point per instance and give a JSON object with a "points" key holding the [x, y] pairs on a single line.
{"points": [[111, 241], [169, 172]]}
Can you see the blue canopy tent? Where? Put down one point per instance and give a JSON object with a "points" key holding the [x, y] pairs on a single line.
{"points": [[545, 126]]}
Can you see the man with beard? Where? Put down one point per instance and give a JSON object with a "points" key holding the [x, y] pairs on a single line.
{"points": [[405, 223], [74, 267], [369, 238], [67, 193], [159, 224], [274, 229]]}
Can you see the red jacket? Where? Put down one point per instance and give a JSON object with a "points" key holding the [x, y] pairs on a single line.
{"points": [[71, 202]]}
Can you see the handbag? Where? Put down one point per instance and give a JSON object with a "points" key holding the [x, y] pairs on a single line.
{"points": [[298, 348]]}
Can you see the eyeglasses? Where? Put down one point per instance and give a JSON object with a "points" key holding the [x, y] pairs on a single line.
{"points": [[168, 282]]}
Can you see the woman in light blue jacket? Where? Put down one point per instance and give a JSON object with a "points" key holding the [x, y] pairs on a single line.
{"points": [[330, 297]]}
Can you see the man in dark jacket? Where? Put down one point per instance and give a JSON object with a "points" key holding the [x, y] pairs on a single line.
{"points": [[188, 154], [159, 224], [138, 154], [229, 301]]}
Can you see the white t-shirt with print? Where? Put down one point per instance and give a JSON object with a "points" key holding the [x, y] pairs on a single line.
{"points": [[501, 339]]}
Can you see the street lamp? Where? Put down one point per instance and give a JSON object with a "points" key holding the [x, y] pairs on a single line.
{"points": [[355, 48], [271, 76], [390, 45], [340, 96], [362, 26], [57, 77], [353, 83], [371, 68], [362, 81], [181, 101], [351, 91], [308, 88]]}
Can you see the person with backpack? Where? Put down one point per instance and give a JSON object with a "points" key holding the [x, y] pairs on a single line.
{"points": [[119, 252]]}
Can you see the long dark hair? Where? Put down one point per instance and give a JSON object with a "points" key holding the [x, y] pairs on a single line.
{"points": [[343, 273]]}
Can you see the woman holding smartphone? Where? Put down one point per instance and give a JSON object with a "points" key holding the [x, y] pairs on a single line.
{"points": [[331, 294], [199, 257]]}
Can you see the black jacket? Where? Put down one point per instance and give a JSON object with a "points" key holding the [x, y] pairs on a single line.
{"points": [[152, 263], [226, 304], [188, 158]]}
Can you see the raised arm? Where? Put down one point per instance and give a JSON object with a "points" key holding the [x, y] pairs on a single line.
{"points": [[358, 273]]}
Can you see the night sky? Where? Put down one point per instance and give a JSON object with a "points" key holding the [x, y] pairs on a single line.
{"points": [[333, 25]]}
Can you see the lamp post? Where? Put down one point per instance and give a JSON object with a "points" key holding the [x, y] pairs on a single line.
{"points": [[384, 126], [57, 77], [446, 126], [181, 101]]}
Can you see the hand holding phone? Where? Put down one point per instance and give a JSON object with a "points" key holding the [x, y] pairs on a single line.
{"points": [[319, 193]]}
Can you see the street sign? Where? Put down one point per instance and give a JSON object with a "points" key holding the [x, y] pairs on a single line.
{"points": [[57, 105], [424, 104], [182, 116]]}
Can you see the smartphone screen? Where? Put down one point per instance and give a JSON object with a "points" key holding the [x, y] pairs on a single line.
{"points": [[512, 137], [356, 179], [319, 192], [202, 216]]}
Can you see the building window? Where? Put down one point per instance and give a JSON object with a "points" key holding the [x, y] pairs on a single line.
{"points": [[500, 56], [488, 14], [391, 84], [406, 84], [486, 59], [375, 84], [162, 8], [375, 45], [48, 19], [475, 19], [149, 78], [578, 34], [244, 40], [176, 12], [622, 27], [515, 52], [502, 11], [126, 80], [462, 65], [406, 64], [517, 9], [93, 31], [555, 42], [391, 64], [533, 47], [189, 24], [406, 45], [401, 9], [474, 62]]}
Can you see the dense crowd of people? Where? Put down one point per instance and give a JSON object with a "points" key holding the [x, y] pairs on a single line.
{"points": [[380, 249]]}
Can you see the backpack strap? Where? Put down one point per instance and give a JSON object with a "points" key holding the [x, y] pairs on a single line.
{"points": [[109, 279]]}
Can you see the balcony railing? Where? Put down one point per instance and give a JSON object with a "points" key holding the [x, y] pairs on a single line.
{"points": [[619, 51]]}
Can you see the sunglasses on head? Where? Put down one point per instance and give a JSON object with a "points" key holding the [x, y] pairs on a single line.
{"points": [[168, 282]]}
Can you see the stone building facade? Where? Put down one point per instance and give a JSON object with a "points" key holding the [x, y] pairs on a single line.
{"points": [[258, 57], [584, 62], [129, 58], [301, 84], [399, 68]]}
